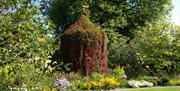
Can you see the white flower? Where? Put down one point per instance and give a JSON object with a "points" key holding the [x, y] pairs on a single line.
{"points": [[124, 76], [47, 63], [137, 84]]}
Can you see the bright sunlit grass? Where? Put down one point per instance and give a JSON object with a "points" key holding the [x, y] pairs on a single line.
{"points": [[177, 88]]}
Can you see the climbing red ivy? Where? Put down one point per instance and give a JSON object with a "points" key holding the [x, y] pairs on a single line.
{"points": [[85, 46]]}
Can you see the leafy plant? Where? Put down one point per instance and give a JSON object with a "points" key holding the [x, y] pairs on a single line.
{"points": [[174, 82], [119, 51], [122, 16], [153, 49], [84, 45], [16, 75], [25, 44], [101, 83], [123, 83], [118, 71], [137, 84], [163, 81], [152, 79]]}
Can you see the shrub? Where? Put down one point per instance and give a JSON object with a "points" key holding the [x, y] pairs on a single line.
{"points": [[178, 67], [163, 81], [97, 76], [137, 84], [71, 76], [25, 75], [24, 46], [174, 82], [123, 83], [118, 71], [154, 80], [119, 52], [154, 49], [103, 82]]}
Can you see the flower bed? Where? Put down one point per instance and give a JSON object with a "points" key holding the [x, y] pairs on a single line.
{"points": [[137, 84]]}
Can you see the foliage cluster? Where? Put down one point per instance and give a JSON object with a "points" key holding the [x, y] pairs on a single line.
{"points": [[138, 84], [17, 75], [94, 82], [102, 83], [140, 40], [122, 16], [99, 81], [155, 50], [24, 44], [163, 81], [85, 47], [140, 37], [174, 82], [119, 51], [152, 79]]}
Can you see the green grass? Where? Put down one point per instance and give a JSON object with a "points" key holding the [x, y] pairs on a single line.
{"points": [[176, 88]]}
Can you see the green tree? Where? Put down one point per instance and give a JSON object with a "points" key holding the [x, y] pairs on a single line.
{"points": [[24, 40], [176, 48], [23, 31], [123, 16], [154, 49], [119, 51]]}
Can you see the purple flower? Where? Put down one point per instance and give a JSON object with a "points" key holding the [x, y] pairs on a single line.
{"points": [[61, 83], [55, 83]]}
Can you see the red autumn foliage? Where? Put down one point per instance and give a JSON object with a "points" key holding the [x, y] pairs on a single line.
{"points": [[85, 46]]}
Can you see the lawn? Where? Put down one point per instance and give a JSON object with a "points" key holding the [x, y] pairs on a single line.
{"points": [[173, 88], [176, 88]]}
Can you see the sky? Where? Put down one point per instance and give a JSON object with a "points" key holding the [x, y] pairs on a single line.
{"points": [[176, 12]]}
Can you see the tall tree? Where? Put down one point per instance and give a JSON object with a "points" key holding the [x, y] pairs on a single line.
{"points": [[156, 49], [23, 33], [24, 43], [120, 15]]}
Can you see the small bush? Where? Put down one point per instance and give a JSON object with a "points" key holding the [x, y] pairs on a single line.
{"points": [[123, 83], [178, 67], [119, 51], [163, 81], [24, 75], [97, 76], [90, 83], [174, 82], [154, 80], [118, 71], [137, 84]]}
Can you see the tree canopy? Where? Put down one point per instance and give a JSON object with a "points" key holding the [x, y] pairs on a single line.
{"points": [[122, 16], [24, 32]]}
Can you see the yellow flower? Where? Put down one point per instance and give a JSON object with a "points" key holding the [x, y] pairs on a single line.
{"points": [[52, 89], [41, 40], [94, 83], [87, 86], [100, 85], [111, 81]]}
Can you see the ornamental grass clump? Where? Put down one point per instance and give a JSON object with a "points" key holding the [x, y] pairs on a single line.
{"points": [[85, 46]]}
